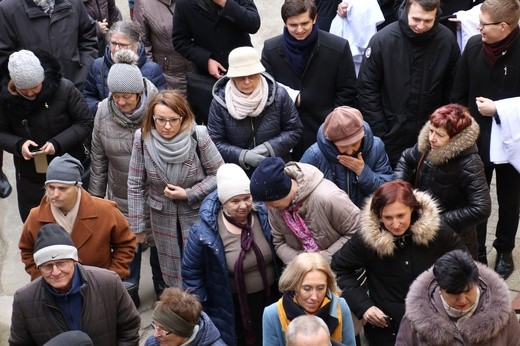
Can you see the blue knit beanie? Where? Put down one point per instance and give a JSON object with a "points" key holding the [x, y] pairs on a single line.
{"points": [[269, 181]]}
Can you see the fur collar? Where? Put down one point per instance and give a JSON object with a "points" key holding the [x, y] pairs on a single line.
{"points": [[457, 146], [15, 104], [423, 230], [431, 322]]}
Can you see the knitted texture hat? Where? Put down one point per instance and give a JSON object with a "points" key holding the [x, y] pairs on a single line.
{"points": [[243, 61], [124, 76], [53, 243], [25, 69], [269, 181], [64, 170], [344, 126], [231, 181]]}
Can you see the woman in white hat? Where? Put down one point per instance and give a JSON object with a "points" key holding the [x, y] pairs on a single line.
{"points": [[251, 117], [229, 261]]}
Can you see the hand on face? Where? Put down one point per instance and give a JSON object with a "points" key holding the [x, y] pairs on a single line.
{"points": [[355, 164]]}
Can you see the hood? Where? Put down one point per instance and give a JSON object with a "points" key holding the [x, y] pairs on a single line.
{"points": [[208, 334], [330, 151], [433, 324], [141, 53], [19, 105], [461, 144], [402, 15], [219, 89], [209, 210], [423, 230], [307, 176]]}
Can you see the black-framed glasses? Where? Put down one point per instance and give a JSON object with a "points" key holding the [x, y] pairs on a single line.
{"points": [[159, 329], [484, 24], [162, 121], [119, 45], [47, 268]]}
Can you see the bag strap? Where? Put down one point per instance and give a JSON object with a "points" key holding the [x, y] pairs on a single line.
{"points": [[419, 166]]}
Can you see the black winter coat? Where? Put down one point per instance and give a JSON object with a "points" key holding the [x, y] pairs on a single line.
{"points": [[454, 175], [69, 34], [278, 126], [202, 30], [392, 263], [328, 81], [477, 77], [403, 78]]}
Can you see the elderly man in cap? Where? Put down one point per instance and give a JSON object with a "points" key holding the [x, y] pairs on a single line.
{"points": [[99, 231], [307, 212], [348, 154], [71, 297]]}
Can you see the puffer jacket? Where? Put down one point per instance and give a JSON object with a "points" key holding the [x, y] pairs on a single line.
{"points": [[323, 154], [205, 270], [454, 176], [109, 316], [278, 126], [207, 335], [112, 142], [96, 88], [69, 34], [329, 214], [403, 78], [494, 323], [156, 33], [391, 263]]}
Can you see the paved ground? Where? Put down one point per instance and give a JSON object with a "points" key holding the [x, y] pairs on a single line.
{"points": [[12, 273]]}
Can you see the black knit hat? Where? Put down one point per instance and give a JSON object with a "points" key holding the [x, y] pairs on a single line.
{"points": [[53, 243], [269, 181]]}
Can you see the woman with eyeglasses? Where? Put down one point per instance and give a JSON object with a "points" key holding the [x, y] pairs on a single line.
{"points": [[122, 35], [173, 168], [178, 319], [117, 118]]}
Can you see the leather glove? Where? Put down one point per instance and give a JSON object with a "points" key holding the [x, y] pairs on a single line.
{"points": [[261, 149], [252, 159]]}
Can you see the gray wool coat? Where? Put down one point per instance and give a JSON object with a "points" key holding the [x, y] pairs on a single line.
{"points": [[166, 215]]}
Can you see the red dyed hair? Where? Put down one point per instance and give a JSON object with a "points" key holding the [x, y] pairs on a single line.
{"points": [[393, 191], [453, 118]]}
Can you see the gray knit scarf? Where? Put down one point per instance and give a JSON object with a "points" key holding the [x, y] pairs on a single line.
{"points": [[47, 6], [170, 154], [240, 105], [132, 119]]}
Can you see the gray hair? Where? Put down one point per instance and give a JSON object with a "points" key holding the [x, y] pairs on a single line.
{"points": [[305, 325], [127, 28]]}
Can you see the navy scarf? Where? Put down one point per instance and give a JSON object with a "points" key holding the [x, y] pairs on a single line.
{"points": [[298, 51]]}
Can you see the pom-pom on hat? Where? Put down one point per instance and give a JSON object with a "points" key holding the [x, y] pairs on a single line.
{"points": [[269, 181], [64, 170], [244, 61], [344, 126], [53, 243], [124, 76], [231, 181], [25, 69]]}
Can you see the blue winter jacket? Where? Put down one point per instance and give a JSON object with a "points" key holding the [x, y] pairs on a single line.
{"points": [[323, 155], [204, 268], [96, 88]]}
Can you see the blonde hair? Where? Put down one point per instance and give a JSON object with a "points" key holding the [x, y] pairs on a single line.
{"points": [[502, 11], [293, 275]]}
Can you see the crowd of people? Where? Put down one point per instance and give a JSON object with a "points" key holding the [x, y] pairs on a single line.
{"points": [[293, 197]]}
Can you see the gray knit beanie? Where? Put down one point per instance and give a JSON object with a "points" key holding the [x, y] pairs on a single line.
{"points": [[124, 76], [25, 69], [64, 170]]}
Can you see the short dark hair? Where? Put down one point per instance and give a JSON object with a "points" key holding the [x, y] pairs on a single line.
{"points": [[455, 272], [427, 5], [393, 191], [291, 8]]}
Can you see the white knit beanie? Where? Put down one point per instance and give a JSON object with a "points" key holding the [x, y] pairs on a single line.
{"points": [[124, 76], [231, 181], [25, 69]]}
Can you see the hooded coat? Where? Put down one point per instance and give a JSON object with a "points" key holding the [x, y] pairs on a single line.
{"points": [[454, 176], [278, 127], [323, 154], [391, 263], [329, 214], [59, 115], [403, 78], [494, 323], [96, 87]]}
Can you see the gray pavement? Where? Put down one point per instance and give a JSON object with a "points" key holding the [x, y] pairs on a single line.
{"points": [[13, 275]]}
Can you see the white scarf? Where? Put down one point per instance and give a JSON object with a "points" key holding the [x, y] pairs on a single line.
{"points": [[67, 221], [240, 105], [460, 315]]}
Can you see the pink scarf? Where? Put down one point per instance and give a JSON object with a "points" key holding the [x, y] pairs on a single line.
{"points": [[297, 225]]}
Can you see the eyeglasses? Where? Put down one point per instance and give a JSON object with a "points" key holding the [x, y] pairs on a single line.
{"points": [[48, 267], [119, 45], [162, 121], [159, 329], [484, 24]]}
